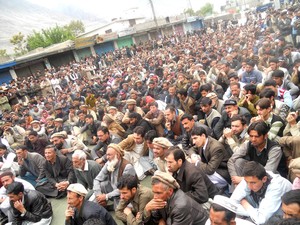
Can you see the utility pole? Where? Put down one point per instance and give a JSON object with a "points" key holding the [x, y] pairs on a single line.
{"points": [[154, 16]]}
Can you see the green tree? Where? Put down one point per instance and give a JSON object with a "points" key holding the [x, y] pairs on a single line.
{"points": [[76, 27], [205, 10], [190, 12], [19, 42], [54, 35], [35, 40], [3, 52]]}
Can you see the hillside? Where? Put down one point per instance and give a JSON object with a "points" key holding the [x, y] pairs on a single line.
{"points": [[22, 16]]}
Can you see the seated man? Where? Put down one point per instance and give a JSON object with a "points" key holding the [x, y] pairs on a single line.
{"points": [[79, 210], [212, 116], [174, 128], [223, 211], [171, 205], [104, 139], [85, 170], [189, 124], [59, 173], [36, 143], [105, 183], [259, 149], [259, 193], [191, 179], [14, 134], [211, 156], [66, 145], [129, 108], [31, 165], [237, 134], [134, 198], [137, 152], [291, 150], [276, 124], [231, 109], [279, 108], [160, 146], [7, 159], [7, 177], [28, 206], [91, 126], [156, 118], [291, 204], [290, 207], [278, 76], [249, 98], [292, 128]]}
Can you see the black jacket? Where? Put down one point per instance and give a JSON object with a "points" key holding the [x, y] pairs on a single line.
{"points": [[36, 205]]}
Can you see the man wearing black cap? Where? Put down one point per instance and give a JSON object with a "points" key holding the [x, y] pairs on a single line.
{"points": [[212, 116], [285, 84], [231, 108]]}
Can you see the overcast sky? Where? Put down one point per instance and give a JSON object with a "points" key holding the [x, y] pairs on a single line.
{"points": [[115, 8]]}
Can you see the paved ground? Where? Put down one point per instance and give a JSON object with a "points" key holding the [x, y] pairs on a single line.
{"points": [[59, 207]]}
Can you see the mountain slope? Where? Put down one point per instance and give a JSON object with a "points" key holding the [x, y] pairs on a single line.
{"points": [[22, 16]]}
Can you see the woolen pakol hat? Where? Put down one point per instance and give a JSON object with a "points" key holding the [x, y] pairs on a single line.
{"points": [[162, 142], [166, 178], [78, 188]]}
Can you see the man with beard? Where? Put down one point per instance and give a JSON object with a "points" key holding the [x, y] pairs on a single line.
{"points": [[237, 134], [85, 170], [131, 107], [170, 205], [231, 109], [36, 143], [67, 145], [59, 174], [136, 120], [160, 146], [105, 183], [105, 138], [36, 126]]}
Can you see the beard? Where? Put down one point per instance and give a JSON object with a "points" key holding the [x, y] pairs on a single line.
{"points": [[36, 129], [59, 146], [111, 164]]}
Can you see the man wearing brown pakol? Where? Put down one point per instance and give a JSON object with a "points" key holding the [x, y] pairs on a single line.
{"points": [[170, 205]]}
